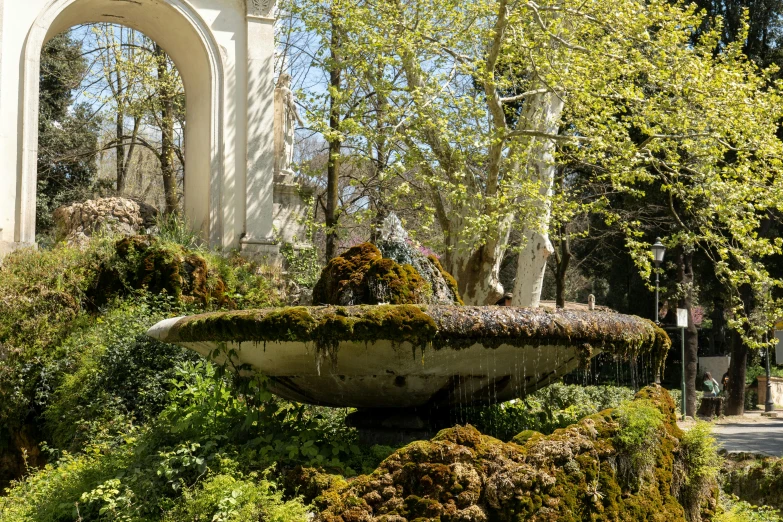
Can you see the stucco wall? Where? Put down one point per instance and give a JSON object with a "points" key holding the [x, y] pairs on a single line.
{"points": [[777, 390]]}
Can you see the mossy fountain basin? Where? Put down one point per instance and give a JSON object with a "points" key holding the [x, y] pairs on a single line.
{"points": [[409, 356]]}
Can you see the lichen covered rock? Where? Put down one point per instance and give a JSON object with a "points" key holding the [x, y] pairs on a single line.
{"points": [[440, 326], [76, 223], [391, 273], [395, 245], [571, 475], [362, 275], [755, 479]]}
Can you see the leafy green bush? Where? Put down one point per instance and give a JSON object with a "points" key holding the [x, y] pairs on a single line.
{"points": [[111, 371], [677, 396], [698, 467], [556, 406], [302, 264], [735, 510], [206, 407], [72, 345], [208, 428], [640, 421], [224, 498], [758, 480], [751, 399], [755, 371]]}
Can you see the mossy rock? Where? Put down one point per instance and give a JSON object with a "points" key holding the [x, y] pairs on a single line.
{"points": [[523, 437], [362, 275], [755, 479], [143, 262], [309, 483], [570, 475]]}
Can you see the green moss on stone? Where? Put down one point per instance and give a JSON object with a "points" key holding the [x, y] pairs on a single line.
{"points": [[342, 280], [143, 262], [444, 327], [396, 284], [523, 437], [570, 475], [755, 479], [448, 277], [323, 326], [363, 276]]}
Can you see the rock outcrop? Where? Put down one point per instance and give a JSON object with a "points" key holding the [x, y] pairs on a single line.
{"points": [[78, 222], [143, 262], [575, 474], [393, 272], [755, 479]]}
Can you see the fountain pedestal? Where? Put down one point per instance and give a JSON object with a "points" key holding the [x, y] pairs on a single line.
{"points": [[395, 426]]}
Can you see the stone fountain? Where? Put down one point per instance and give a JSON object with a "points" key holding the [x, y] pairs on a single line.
{"points": [[393, 340]]}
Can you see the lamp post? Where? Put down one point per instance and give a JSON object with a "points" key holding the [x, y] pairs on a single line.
{"points": [[658, 251], [769, 404]]}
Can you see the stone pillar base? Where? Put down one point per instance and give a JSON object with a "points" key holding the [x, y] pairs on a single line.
{"points": [[6, 247], [290, 210], [266, 251]]}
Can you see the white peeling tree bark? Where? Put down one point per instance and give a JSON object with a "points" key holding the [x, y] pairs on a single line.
{"points": [[475, 253], [543, 115], [478, 272]]}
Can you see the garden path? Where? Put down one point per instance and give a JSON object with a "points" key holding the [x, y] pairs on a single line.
{"points": [[750, 433]]}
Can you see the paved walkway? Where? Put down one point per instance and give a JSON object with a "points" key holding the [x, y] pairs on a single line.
{"points": [[750, 433]]}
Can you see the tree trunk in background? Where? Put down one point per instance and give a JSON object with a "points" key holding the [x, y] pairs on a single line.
{"points": [[562, 260], [735, 404], [562, 254], [685, 278], [120, 130], [167, 133], [478, 276], [542, 114], [335, 145]]}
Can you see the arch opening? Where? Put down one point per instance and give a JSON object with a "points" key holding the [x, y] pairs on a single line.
{"points": [[179, 30]]}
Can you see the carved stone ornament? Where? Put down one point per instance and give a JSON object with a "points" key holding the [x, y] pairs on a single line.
{"points": [[260, 7]]}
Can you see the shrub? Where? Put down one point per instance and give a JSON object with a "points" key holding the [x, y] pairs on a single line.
{"points": [[677, 396], [111, 371], [71, 334], [758, 480], [225, 498], [640, 422], [301, 264], [735, 510], [206, 429], [696, 471], [556, 406]]}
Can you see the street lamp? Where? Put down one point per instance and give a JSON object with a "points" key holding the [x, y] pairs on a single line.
{"points": [[658, 251], [769, 404]]}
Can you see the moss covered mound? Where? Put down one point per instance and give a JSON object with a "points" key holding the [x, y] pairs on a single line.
{"points": [[362, 275], [755, 479], [571, 475], [143, 262]]}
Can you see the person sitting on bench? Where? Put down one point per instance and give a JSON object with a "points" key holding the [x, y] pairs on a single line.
{"points": [[711, 386]]}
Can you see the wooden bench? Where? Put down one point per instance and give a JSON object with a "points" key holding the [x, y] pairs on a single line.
{"points": [[710, 407]]}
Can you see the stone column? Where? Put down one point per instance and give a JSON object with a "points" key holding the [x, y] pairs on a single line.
{"points": [[259, 239]]}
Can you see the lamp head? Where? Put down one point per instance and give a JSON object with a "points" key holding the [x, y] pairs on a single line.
{"points": [[658, 250]]}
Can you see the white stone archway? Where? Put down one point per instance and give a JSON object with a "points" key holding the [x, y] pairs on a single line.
{"points": [[224, 51]]}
